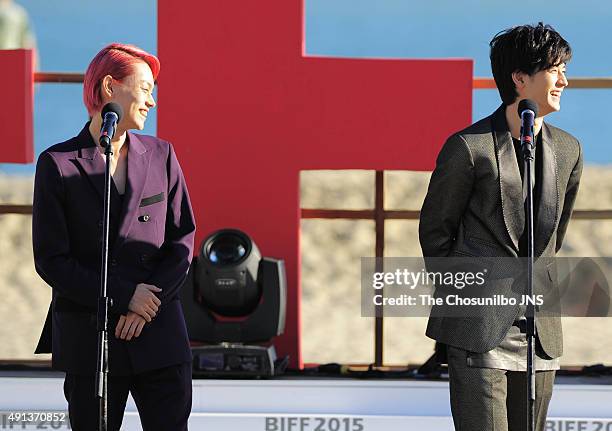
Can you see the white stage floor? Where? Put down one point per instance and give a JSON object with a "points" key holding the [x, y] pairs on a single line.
{"points": [[315, 404]]}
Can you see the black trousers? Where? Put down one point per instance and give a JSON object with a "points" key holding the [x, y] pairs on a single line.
{"points": [[163, 399]]}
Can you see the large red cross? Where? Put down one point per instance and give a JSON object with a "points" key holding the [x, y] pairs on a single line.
{"points": [[247, 110]]}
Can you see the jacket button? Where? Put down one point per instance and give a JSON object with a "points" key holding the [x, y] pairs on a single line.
{"points": [[113, 262]]}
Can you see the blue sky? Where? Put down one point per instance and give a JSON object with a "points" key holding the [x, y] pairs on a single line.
{"points": [[70, 32]]}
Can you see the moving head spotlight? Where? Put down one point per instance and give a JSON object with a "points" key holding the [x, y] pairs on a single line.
{"points": [[233, 296], [226, 273]]}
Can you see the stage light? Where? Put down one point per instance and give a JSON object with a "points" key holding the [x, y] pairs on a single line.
{"points": [[227, 273], [234, 296]]}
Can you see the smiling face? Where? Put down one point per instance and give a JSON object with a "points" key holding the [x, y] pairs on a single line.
{"points": [[135, 95], [543, 87]]}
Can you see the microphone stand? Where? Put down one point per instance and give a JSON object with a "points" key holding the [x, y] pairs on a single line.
{"points": [[104, 302], [528, 149]]}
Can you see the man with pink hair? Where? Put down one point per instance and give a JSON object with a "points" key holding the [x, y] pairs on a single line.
{"points": [[150, 248]]}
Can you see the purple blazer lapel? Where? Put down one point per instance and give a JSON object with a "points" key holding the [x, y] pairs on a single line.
{"points": [[93, 165], [90, 160], [138, 168]]}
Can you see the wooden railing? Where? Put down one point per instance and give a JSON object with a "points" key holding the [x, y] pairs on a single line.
{"points": [[59, 77]]}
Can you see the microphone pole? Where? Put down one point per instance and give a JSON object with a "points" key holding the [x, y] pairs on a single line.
{"points": [[111, 115], [528, 110]]}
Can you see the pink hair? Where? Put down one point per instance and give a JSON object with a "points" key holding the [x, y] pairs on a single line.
{"points": [[115, 60]]}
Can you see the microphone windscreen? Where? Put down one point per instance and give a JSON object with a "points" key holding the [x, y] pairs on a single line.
{"points": [[113, 107], [527, 104]]}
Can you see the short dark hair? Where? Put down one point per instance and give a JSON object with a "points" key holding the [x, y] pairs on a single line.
{"points": [[528, 49]]}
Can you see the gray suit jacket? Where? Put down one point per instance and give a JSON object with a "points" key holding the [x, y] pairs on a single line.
{"points": [[474, 207]]}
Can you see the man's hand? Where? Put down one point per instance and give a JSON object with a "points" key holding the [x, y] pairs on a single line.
{"points": [[144, 301], [129, 326]]}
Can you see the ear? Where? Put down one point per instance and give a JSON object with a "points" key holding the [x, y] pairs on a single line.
{"points": [[106, 89], [519, 79]]}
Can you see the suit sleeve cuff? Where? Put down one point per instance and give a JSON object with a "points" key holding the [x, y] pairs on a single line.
{"points": [[121, 292]]}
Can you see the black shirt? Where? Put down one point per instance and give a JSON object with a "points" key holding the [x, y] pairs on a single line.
{"points": [[537, 186]]}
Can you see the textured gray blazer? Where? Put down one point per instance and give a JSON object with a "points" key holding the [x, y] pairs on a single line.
{"points": [[474, 207]]}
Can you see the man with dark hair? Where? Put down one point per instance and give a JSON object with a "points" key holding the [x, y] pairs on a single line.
{"points": [[481, 167]]}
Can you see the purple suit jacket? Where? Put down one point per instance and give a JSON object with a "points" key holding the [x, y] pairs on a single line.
{"points": [[152, 234]]}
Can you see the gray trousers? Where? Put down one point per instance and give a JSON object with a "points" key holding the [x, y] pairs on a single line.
{"points": [[488, 399]]}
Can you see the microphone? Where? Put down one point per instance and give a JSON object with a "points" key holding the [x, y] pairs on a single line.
{"points": [[527, 110], [111, 115]]}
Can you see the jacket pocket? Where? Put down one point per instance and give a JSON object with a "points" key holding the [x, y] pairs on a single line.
{"points": [[152, 199]]}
